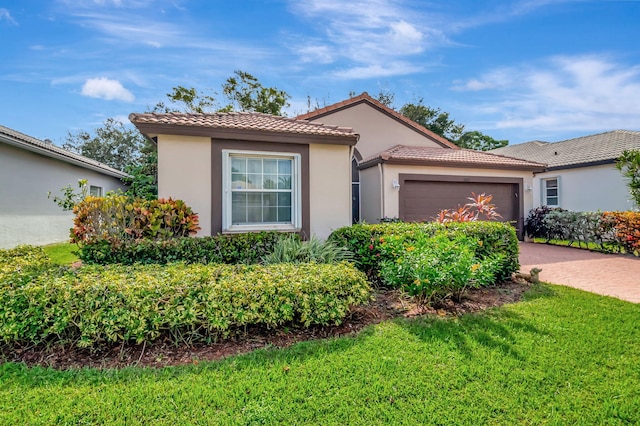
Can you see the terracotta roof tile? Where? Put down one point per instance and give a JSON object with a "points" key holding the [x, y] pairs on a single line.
{"points": [[243, 121], [365, 98], [30, 143], [602, 147], [448, 157]]}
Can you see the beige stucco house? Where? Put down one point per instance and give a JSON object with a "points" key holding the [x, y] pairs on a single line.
{"points": [[402, 170], [29, 170], [245, 172], [581, 173]]}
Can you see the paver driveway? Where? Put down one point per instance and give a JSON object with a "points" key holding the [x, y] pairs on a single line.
{"points": [[607, 274]]}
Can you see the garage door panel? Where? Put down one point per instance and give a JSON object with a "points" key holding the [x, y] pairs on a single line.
{"points": [[423, 200]]}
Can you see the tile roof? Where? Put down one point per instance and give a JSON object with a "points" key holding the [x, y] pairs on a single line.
{"points": [[30, 143], [599, 148], [243, 121], [448, 157], [365, 98]]}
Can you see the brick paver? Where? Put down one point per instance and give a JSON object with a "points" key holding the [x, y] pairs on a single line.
{"points": [[607, 274]]}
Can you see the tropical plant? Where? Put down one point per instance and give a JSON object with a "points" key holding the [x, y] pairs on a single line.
{"points": [[479, 207], [294, 250], [629, 165]]}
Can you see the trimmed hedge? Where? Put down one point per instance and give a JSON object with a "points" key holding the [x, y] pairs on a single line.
{"points": [[365, 240], [98, 305], [246, 248]]}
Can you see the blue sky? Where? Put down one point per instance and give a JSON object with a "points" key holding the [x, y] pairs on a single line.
{"points": [[514, 69]]}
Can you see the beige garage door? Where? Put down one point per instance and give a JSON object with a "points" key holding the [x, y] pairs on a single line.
{"points": [[422, 197]]}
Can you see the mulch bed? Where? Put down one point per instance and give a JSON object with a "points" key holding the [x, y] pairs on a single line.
{"points": [[387, 305]]}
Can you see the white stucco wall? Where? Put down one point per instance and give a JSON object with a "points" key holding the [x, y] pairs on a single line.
{"points": [[392, 171], [184, 173], [330, 188], [377, 130], [27, 215], [587, 189]]}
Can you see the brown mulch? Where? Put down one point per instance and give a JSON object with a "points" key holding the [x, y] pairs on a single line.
{"points": [[387, 305]]}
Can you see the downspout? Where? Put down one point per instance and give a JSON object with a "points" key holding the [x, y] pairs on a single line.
{"points": [[381, 171], [351, 151]]}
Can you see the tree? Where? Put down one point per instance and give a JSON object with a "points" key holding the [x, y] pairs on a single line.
{"points": [[187, 99], [629, 165], [113, 144], [433, 119], [479, 141], [245, 93]]}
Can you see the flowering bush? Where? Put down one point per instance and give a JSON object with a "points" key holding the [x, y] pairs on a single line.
{"points": [[431, 267], [626, 226]]}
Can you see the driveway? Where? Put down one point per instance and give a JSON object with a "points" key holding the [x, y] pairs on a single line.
{"points": [[606, 274]]}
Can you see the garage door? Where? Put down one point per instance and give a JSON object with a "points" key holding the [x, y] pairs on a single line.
{"points": [[422, 197]]}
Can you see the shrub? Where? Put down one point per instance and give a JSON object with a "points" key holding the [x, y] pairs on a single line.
{"points": [[534, 225], [626, 228], [436, 266], [365, 240], [116, 218], [22, 261], [234, 248], [480, 205], [97, 305], [294, 250]]}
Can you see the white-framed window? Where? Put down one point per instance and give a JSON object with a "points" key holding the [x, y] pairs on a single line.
{"points": [[95, 191], [261, 191], [551, 192]]}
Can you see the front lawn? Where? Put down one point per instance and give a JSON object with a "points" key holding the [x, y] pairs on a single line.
{"points": [[62, 253], [561, 357]]}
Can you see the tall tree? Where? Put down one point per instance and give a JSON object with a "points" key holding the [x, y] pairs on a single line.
{"points": [[187, 99], [113, 144], [245, 93], [433, 119], [479, 141]]}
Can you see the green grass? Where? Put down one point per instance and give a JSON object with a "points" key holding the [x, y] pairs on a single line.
{"points": [[62, 253], [561, 357]]}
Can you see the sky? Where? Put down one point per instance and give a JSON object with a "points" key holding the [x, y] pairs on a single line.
{"points": [[513, 69]]}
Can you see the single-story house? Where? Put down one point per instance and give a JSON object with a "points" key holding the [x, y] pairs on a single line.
{"points": [[31, 168], [355, 160], [403, 170], [580, 173], [249, 171]]}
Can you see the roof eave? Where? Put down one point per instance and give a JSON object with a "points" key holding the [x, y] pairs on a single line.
{"points": [[61, 157], [581, 165], [427, 162], [151, 130]]}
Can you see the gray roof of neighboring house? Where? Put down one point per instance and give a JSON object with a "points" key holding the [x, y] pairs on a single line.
{"points": [[402, 154], [32, 144], [602, 148]]}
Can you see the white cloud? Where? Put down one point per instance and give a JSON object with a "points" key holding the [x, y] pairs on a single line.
{"points": [[377, 70], [6, 16], [369, 33], [107, 89], [564, 93]]}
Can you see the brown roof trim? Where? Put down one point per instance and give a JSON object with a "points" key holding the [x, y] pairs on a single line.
{"points": [[580, 165], [468, 165], [153, 129], [365, 98]]}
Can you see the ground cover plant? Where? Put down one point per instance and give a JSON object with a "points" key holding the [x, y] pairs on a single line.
{"points": [[562, 356]]}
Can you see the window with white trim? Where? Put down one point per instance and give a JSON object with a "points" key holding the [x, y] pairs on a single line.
{"points": [[95, 191], [550, 192], [261, 191]]}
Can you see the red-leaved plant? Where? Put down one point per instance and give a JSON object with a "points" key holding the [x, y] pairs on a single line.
{"points": [[479, 208]]}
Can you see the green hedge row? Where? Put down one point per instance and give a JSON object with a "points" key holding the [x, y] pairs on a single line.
{"points": [[234, 248], [366, 242], [98, 305]]}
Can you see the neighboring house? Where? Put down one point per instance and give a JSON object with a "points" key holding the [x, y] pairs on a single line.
{"points": [[29, 170], [581, 173], [402, 170], [248, 171]]}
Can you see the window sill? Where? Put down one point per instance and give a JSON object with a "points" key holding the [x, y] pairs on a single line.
{"points": [[238, 229]]}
